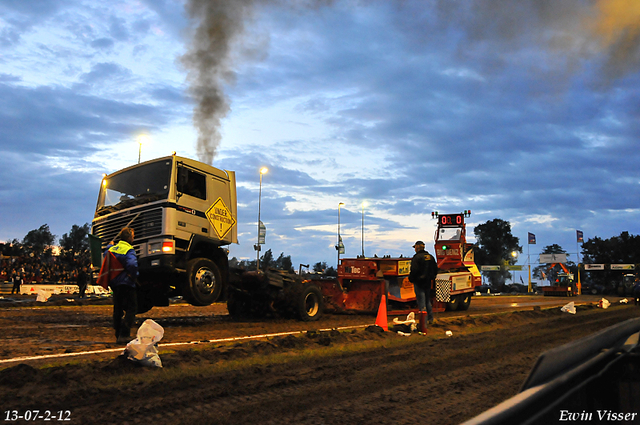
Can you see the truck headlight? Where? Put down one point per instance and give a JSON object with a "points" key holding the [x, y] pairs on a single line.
{"points": [[165, 247]]}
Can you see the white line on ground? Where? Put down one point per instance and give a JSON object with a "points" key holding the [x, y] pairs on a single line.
{"points": [[172, 344]]}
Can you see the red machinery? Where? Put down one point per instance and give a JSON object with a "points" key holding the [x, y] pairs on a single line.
{"points": [[362, 281], [564, 285]]}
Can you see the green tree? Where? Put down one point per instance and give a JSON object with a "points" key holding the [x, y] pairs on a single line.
{"points": [[623, 249], [76, 242], [267, 261], [331, 271], [39, 241], [494, 247], [320, 267], [13, 248], [284, 262]]}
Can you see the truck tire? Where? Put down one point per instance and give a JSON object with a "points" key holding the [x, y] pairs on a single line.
{"points": [[465, 302], [453, 304], [204, 282], [310, 304]]}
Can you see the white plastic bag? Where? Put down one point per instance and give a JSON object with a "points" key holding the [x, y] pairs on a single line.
{"points": [[410, 321], [569, 308], [624, 301], [604, 303], [144, 348], [43, 296]]}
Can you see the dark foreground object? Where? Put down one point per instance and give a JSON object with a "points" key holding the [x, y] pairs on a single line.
{"points": [[596, 378]]}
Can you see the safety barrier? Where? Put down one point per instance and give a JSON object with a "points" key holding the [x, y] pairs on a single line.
{"points": [[51, 288]]}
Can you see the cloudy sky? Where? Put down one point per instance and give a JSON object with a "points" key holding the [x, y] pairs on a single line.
{"points": [[528, 111]]}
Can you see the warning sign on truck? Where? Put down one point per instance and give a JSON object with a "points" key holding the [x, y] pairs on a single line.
{"points": [[220, 218]]}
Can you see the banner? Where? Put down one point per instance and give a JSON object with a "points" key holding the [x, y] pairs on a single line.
{"points": [[490, 268], [579, 236], [532, 239], [594, 266], [623, 267], [262, 234], [553, 258]]}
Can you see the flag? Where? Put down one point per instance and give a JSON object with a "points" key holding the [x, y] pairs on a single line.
{"points": [[340, 246], [110, 269], [532, 239], [579, 236]]}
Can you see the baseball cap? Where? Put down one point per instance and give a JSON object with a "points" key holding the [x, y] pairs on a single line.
{"points": [[418, 243]]}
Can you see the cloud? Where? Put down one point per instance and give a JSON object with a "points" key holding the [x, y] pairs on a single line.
{"points": [[106, 72], [525, 111], [49, 120], [19, 17], [103, 43]]}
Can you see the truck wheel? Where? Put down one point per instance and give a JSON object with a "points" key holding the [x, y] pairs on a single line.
{"points": [[204, 283], [453, 304], [310, 304], [465, 302]]}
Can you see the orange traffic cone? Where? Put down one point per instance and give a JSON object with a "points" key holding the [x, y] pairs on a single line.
{"points": [[381, 320]]}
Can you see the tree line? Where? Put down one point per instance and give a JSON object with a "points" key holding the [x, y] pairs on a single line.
{"points": [[495, 245], [39, 243], [283, 262]]}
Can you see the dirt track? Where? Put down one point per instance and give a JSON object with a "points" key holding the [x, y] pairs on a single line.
{"points": [[347, 377]]}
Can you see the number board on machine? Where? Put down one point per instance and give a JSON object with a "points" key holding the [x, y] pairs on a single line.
{"points": [[451, 220]]}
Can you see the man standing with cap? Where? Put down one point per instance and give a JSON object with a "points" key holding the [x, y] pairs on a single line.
{"points": [[423, 271]]}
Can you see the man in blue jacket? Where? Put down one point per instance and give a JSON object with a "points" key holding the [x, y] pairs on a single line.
{"points": [[125, 301]]}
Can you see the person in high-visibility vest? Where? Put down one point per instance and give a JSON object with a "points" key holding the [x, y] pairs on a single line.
{"points": [[125, 301]]}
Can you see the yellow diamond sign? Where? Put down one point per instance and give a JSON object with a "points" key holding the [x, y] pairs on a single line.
{"points": [[220, 218]]}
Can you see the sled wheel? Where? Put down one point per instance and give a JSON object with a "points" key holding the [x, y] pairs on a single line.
{"points": [[453, 304], [465, 302], [310, 304], [204, 283]]}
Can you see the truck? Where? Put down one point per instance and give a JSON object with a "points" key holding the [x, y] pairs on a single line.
{"points": [[184, 214], [628, 282]]}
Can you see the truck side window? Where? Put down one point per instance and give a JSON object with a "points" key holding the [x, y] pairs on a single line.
{"points": [[192, 183]]}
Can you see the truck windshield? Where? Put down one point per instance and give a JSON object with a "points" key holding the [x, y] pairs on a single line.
{"points": [[147, 183], [450, 234]]}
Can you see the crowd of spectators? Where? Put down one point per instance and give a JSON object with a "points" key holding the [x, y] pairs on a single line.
{"points": [[36, 270]]}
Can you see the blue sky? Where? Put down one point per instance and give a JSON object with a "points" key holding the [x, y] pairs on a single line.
{"points": [[526, 111]]}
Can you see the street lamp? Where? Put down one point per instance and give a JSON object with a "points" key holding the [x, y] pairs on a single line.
{"points": [[263, 170], [339, 245], [514, 255], [143, 138], [364, 204]]}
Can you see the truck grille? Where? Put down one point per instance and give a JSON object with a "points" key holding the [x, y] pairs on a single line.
{"points": [[148, 224]]}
